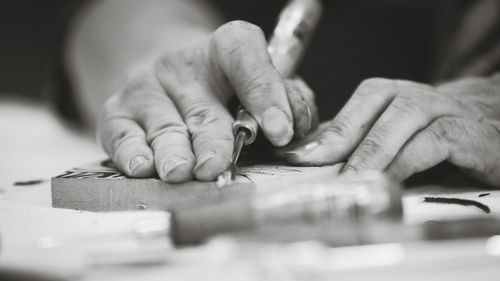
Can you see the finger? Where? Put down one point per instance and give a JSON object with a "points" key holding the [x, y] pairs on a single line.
{"points": [[166, 132], [465, 143], [208, 121], [350, 125], [472, 145], [413, 109], [304, 110], [241, 52], [125, 142], [209, 124], [421, 152], [283, 152]]}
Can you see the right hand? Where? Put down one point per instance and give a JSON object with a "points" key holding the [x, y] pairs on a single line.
{"points": [[171, 117]]}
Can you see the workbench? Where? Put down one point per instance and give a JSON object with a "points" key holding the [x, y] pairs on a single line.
{"points": [[35, 146]]}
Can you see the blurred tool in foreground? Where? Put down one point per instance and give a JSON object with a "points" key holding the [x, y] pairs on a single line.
{"points": [[295, 27], [343, 202], [336, 210]]}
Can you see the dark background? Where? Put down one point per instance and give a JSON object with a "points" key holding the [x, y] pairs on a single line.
{"points": [[30, 33], [357, 39]]}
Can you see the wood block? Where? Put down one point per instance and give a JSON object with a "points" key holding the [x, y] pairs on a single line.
{"points": [[100, 187]]}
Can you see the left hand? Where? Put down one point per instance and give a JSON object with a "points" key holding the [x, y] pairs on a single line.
{"points": [[403, 127]]}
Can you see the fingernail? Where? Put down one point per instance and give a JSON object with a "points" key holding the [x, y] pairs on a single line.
{"points": [[303, 150], [171, 164], [203, 160], [277, 125], [136, 162]]}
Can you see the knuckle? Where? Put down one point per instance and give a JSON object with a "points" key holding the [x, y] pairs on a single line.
{"points": [[352, 168], [207, 140], [416, 92], [370, 148], [436, 138], [413, 100], [375, 82], [367, 87], [116, 106], [238, 29], [176, 63], [309, 97], [257, 86], [201, 115], [112, 110], [164, 65], [444, 129], [338, 127], [207, 126], [121, 138], [438, 133], [293, 89], [165, 128], [230, 38], [493, 132], [406, 104], [307, 93], [302, 112], [137, 86]]}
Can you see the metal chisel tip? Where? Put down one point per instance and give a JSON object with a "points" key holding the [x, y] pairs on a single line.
{"points": [[229, 175]]}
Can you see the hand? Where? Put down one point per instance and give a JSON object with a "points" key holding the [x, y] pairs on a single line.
{"points": [[403, 127], [172, 117]]}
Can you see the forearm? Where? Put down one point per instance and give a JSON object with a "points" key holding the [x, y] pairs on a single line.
{"points": [[111, 36]]}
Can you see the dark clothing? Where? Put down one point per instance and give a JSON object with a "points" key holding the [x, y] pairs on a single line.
{"points": [[360, 39], [31, 51], [357, 39], [32, 35]]}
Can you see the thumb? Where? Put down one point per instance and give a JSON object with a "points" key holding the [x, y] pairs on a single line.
{"points": [[241, 52]]}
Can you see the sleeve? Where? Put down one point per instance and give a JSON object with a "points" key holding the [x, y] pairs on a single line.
{"points": [[470, 40]]}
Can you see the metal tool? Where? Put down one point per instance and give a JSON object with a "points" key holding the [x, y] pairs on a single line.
{"points": [[287, 45]]}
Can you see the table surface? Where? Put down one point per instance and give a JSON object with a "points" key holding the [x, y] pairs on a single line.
{"points": [[35, 145]]}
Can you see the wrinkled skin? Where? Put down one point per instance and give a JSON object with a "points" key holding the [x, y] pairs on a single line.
{"points": [[403, 127], [171, 118]]}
